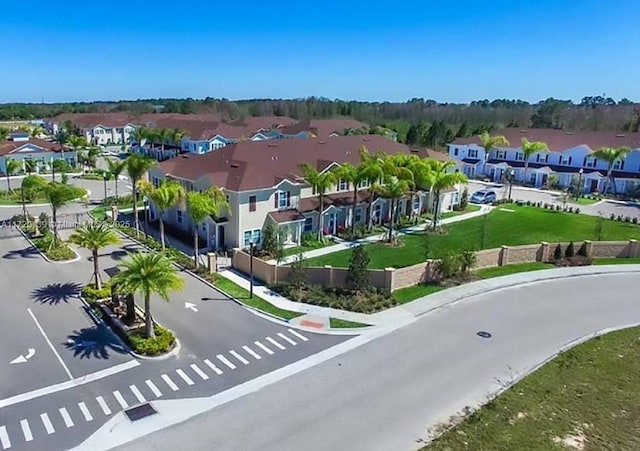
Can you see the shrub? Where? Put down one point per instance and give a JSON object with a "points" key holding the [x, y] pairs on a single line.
{"points": [[635, 220], [612, 216], [619, 218], [43, 223], [464, 199], [449, 265], [162, 343], [583, 250], [627, 219], [577, 210], [557, 253], [358, 275], [570, 209], [468, 258], [558, 207], [570, 251], [92, 294]]}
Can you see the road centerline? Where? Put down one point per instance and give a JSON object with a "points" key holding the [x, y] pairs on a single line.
{"points": [[55, 352]]}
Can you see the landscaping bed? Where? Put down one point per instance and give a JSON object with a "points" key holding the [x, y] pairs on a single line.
{"points": [[15, 197], [123, 202], [586, 398], [42, 238]]}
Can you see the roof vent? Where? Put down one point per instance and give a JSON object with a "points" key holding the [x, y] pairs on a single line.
{"points": [[569, 133], [234, 165], [366, 139], [185, 155], [415, 150], [321, 142], [523, 131], [139, 412], [272, 145], [620, 135]]}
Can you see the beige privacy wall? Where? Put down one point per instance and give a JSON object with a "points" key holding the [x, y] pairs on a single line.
{"points": [[393, 279]]}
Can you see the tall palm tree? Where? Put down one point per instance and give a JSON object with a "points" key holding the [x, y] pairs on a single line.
{"points": [[373, 165], [529, 148], [611, 155], [147, 274], [62, 138], [200, 206], [392, 188], [77, 143], [59, 165], [491, 142], [320, 182], [176, 136], [162, 135], [137, 166], [115, 168], [94, 236], [30, 166], [31, 186], [10, 168], [4, 133], [139, 135], [58, 195], [164, 197], [37, 131]]}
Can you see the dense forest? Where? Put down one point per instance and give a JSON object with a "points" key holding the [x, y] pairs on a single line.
{"points": [[420, 121]]}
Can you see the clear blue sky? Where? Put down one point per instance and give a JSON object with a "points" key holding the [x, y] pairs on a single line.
{"points": [[447, 50]]}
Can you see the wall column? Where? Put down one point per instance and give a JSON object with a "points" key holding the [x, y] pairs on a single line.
{"points": [[504, 256], [588, 244]]}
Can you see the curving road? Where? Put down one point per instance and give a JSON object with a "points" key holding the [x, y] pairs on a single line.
{"points": [[387, 393]]}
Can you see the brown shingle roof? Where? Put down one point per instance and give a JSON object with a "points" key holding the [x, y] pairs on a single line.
{"points": [[559, 140], [6, 147], [286, 216], [262, 164], [338, 199]]}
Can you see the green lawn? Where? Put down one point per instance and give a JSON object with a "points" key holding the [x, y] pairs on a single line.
{"points": [[525, 225], [498, 271], [589, 392], [617, 261], [336, 323], [468, 209], [101, 211], [15, 197], [583, 201], [315, 245], [404, 295]]}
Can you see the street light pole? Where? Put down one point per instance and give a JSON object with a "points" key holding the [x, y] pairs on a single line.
{"points": [[251, 268], [104, 179], [511, 175], [579, 189], [145, 201]]}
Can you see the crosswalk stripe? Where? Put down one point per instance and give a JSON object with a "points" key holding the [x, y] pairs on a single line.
{"points": [[153, 388], [213, 367], [169, 382], [287, 339], [123, 403], [239, 357], [275, 343], [137, 393], [251, 352], [26, 430], [4, 438], [199, 372], [263, 347], [297, 334], [103, 405], [47, 423], [85, 411], [224, 360], [184, 377], [68, 422]]}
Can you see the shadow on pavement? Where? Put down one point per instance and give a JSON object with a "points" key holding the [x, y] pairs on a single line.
{"points": [[120, 253], [27, 252], [55, 293], [93, 342]]}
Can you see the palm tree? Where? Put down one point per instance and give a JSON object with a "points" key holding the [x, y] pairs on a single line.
{"points": [[164, 197], [356, 175], [176, 136], [200, 206], [11, 166], [491, 142], [529, 148], [611, 155], [4, 133], [30, 166], [115, 168], [147, 274], [62, 138], [139, 136], [162, 135], [136, 167], [31, 186], [373, 165], [392, 188], [94, 237], [77, 143], [320, 182], [58, 164], [37, 131], [58, 195]]}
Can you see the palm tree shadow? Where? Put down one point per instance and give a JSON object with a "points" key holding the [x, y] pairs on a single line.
{"points": [[55, 293], [93, 342], [27, 252]]}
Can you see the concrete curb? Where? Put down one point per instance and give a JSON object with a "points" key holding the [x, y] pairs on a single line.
{"points": [[47, 259]]}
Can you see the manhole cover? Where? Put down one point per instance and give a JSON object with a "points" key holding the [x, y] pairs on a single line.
{"points": [[140, 412], [483, 334]]}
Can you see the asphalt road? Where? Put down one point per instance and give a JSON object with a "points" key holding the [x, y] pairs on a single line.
{"points": [[386, 394]]}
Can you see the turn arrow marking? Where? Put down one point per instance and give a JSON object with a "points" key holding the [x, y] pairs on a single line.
{"points": [[23, 359], [190, 306]]}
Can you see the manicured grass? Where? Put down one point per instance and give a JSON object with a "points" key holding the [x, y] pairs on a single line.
{"points": [[315, 245], [236, 291], [590, 391], [524, 225], [404, 295], [617, 261], [498, 271], [468, 209], [336, 323], [15, 197], [583, 201]]}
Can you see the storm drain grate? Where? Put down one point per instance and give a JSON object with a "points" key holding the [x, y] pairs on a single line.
{"points": [[139, 412], [484, 334]]}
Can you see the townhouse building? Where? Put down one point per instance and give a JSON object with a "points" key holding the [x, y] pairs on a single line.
{"points": [[263, 183], [98, 129], [569, 159], [21, 147]]}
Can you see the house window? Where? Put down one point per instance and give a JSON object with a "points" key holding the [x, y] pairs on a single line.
{"points": [[343, 185], [542, 158], [519, 156], [204, 226], [455, 151], [455, 198], [156, 182], [179, 216], [358, 217], [565, 160], [618, 165], [501, 154], [252, 236], [282, 199], [364, 184], [416, 203], [590, 162], [252, 203], [308, 224], [473, 153]]}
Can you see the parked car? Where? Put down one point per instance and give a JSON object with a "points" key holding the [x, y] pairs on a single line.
{"points": [[483, 197]]}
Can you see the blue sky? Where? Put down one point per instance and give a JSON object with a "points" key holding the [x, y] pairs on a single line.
{"points": [[453, 51]]}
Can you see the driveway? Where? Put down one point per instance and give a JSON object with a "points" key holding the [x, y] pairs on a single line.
{"points": [[387, 393]]}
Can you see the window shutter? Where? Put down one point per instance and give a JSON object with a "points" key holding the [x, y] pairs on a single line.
{"points": [[275, 199], [569, 161], [288, 198], [584, 162]]}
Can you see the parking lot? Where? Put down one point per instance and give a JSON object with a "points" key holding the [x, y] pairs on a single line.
{"points": [[50, 337]]}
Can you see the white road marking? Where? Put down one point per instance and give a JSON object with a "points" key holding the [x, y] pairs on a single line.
{"points": [[68, 422], [297, 334], [263, 347], [85, 412], [137, 393], [123, 403], [199, 372], [4, 438], [224, 360], [64, 366], [153, 388], [103, 405], [213, 367], [169, 382], [184, 376], [47, 423], [251, 352], [26, 430], [275, 343], [287, 339], [239, 357]]}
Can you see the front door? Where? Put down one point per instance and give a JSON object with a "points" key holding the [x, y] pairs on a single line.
{"points": [[593, 186], [221, 240], [544, 179], [332, 223]]}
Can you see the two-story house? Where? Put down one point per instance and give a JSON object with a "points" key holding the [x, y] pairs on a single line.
{"points": [[97, 128], [568, 160], [21, 147], [263, 183]]}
